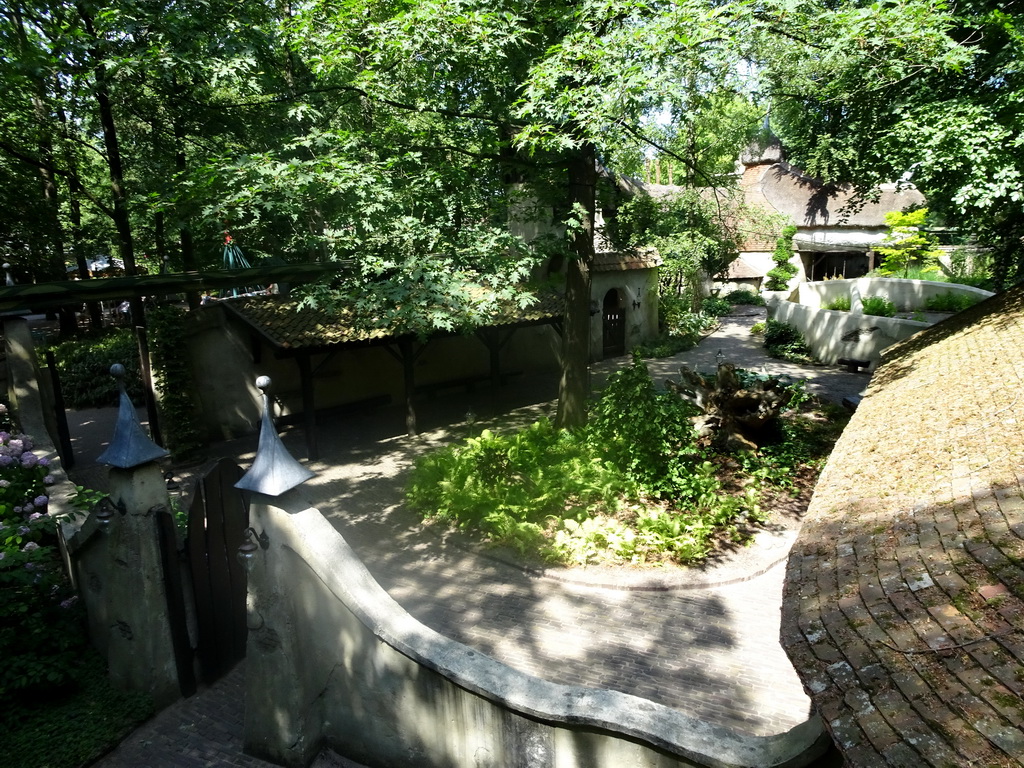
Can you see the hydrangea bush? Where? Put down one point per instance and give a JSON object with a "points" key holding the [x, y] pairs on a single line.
{"points": [[40, 624]]}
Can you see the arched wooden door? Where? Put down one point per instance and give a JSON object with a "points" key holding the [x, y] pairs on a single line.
{"points": [[614, 325]]}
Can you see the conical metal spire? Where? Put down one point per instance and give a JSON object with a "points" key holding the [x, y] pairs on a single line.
{"points": [[274, 470], [130, 446]]}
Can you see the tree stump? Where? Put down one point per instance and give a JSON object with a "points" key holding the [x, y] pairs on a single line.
{"points": [[733, 417]]}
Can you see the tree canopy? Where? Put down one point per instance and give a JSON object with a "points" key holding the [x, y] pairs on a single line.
{"points": [[406, 134], [955, 129]]}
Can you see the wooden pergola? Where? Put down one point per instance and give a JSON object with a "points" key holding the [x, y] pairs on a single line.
{"points": [[302, 334]]}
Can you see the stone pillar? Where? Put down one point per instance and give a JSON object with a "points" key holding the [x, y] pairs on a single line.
{"points": [[282, 719], [140, 652]]}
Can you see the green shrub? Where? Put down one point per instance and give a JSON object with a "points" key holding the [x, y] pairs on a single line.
{"points": [[784, 341], [841, 304], [83, 366], [950, 302], [644, 432], [784, 269], [40, 624], [76, 727], [758, 328], [680, 328], [908, 246], [745, 297], [971, 267], [588, 495], [713, 305], [878, 306]]}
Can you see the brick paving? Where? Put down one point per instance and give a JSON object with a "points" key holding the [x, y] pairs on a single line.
{"points": [[703, 641], [903, 608]]}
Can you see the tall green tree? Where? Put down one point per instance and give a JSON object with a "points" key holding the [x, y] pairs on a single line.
{"points": [[953, 123]]}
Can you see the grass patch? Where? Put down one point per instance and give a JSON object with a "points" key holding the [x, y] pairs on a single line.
{"points": [[841, 304], [785, 342], [634, 486], [878, 306], [950, 302], [73, 726], [745, 297]]}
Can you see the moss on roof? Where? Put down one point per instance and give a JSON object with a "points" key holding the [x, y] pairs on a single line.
{"points": [[903, 611], [287, 325]]}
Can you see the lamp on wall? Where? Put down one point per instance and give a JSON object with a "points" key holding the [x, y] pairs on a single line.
{"points": [[720, 357], [636, 302], [104, 513], [252, 542]]}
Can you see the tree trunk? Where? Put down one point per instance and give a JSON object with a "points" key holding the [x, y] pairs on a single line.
{"points": [[574, 386], [122, 222]]}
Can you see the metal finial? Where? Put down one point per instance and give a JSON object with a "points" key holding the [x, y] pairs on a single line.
{"points": [[130, 446], [274, 470]]}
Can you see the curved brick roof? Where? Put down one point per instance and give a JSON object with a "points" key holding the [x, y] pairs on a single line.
{"points": [[903, 612]]}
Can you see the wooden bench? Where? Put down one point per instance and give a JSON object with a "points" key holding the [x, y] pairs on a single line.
{"points": [[852, 365]]}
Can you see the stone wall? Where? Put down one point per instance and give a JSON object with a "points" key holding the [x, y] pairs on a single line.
{"points": [[834, 334], [907, 295], [334, 661]]}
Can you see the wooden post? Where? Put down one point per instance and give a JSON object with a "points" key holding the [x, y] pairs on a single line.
{"points": [[308, 406]]}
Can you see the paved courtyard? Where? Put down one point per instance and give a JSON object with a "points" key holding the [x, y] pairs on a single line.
{"points": [[703, 641]]}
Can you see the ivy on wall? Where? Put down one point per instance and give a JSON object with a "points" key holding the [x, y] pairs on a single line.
{"points": [[179, 417]]}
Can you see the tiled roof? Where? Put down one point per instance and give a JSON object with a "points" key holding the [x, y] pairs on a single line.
{"points": [[615, 261], [903, 612], [740, 269], [287, 326]]}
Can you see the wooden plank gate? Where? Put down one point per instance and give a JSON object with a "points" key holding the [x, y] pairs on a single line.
{"points": [[217, 520]]}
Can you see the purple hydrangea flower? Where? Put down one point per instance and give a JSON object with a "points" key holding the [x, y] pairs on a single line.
{"points": [[22, 530], [65, 604], [5, 483], [48, 480], [27, 508], [30, 547], [40, 501], [5, 460], [44, 462], [16, 446], [27, 442], [4, 437], [35, 516], [18, 510], [29, 460]]}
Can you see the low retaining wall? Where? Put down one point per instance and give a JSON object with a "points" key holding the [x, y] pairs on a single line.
{"points": [[831, 334], [907, 295], [334, 661]]}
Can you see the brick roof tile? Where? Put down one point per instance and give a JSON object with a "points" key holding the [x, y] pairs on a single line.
{"points": [[918, 516]]}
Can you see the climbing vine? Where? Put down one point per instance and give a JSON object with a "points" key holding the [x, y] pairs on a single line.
{"points": [[179, 418]]}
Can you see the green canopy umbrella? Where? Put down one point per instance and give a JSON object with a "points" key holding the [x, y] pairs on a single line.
{"points": [[235, 259]]}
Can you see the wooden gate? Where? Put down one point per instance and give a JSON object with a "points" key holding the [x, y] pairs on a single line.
{"points": [[614, 326], [217, 520]]}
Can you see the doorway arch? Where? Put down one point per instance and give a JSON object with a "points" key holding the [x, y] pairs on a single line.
{"points": [[613, 326]]}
